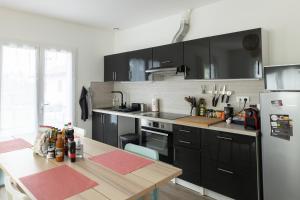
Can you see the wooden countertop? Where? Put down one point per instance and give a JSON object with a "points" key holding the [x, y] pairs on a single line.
{"points": [[197, 121], [111, 186]]}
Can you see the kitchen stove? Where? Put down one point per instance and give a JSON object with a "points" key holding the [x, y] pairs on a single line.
{"points": [[163, 115]]}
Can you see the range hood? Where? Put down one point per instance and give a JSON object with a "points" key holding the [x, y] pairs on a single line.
{"points": [[163, 70]]}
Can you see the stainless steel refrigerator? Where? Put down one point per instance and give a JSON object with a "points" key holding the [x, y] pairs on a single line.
{"points": [[280, 127]]}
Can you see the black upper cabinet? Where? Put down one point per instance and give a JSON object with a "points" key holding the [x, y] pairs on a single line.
{"points": [[109, 74], [170, 55], [196, 59], [138, 62], [230, 56], [116, 67], [236, 55]]}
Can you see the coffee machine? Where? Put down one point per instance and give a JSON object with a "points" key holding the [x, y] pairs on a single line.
{"points": [[228, 111], [252, 119]]}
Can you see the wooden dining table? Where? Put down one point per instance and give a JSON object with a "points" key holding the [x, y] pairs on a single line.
{"points": [[111, 185]]}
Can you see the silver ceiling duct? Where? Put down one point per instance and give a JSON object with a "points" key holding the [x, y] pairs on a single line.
{"points": [[184, 27]]}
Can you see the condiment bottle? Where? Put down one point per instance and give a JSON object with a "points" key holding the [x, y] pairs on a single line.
{"points": [[59, 151], [72, 151]]}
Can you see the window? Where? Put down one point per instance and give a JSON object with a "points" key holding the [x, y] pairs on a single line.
{"points": [[18, 102], [58, 89], [33, 93]]}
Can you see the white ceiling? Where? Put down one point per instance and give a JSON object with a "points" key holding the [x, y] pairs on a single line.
{"points": [[105, 13]]}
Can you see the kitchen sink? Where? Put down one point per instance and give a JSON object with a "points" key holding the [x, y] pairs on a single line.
{"points": [[119, 109]]}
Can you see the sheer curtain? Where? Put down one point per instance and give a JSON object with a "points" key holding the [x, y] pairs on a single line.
{"points": [[18, 90], [58, 87]]}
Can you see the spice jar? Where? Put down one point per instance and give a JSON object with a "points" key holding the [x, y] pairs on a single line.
{"points": [[59, 151]]}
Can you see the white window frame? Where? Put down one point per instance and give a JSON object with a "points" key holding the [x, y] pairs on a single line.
{"points": [[40, 62]]}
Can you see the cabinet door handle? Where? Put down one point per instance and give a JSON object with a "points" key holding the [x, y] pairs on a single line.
{"points": [[258, 71], [226, 171], [185, 131], [166, 62], [100, 118], [129, 75], [184, 142], [174, 151], [103, 119], [224, 138], [115, 76]]}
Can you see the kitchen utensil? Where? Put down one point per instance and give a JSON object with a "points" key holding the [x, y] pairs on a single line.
{"points": [[136, 106], [228, 111], [155, 105], [214, 93], [143, 107], [228, 94], [202, 108], [198, 121], [223, 93], [203, 89], [217, 99], [219, 113], [192, 101]]}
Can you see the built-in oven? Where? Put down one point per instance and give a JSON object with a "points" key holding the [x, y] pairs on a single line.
{"points": [[158, 136]]}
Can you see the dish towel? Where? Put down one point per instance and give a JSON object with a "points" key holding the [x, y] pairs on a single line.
{"points": [[84, 104]]}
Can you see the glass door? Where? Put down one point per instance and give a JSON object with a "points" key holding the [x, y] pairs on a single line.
{"points": [[18, 90], [57, 88]]}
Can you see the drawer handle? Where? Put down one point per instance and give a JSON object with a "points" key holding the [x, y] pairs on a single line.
{"points": [[226, 171], [185, 142], [165, 61], [224, 138], [185, 131]]}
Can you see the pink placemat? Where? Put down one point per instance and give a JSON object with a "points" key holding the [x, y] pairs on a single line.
{"points": [[57, 183], [13, 145], [121, 162]]}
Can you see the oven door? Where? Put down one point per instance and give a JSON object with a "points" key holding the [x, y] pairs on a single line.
{"points": [[159, 141]]}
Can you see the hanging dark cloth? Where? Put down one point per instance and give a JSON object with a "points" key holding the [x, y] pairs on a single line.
{"points": [[84, 104]]}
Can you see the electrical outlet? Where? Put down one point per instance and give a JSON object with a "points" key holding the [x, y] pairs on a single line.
{"points": [[241, 99]]}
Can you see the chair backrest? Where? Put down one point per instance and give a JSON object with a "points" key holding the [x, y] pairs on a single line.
{"points": [[12, 191], [79, 131], [1, 178], [143, 151]]}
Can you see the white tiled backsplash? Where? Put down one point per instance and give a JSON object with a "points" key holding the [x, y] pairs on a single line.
{"points": [[172, 90]]}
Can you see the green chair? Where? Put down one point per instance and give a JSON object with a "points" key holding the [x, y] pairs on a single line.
{"points": [[149, 153], [1, 178]]}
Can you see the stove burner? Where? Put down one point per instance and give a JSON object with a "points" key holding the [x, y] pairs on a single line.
{"points": [[163, 115]]}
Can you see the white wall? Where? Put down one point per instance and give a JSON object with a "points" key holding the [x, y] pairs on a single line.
{"points": [[279, 18], [90, 43]]}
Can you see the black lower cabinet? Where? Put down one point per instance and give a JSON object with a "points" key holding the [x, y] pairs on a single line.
{"points": [[97, 127], [187, 153], [229, 164], [189, 160], [105, 128]]}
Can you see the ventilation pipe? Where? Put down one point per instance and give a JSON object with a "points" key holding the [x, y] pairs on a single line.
{"points": [[184, 26]]}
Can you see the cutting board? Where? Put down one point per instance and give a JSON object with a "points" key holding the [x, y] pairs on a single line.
{"points": [[197, 121]]}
